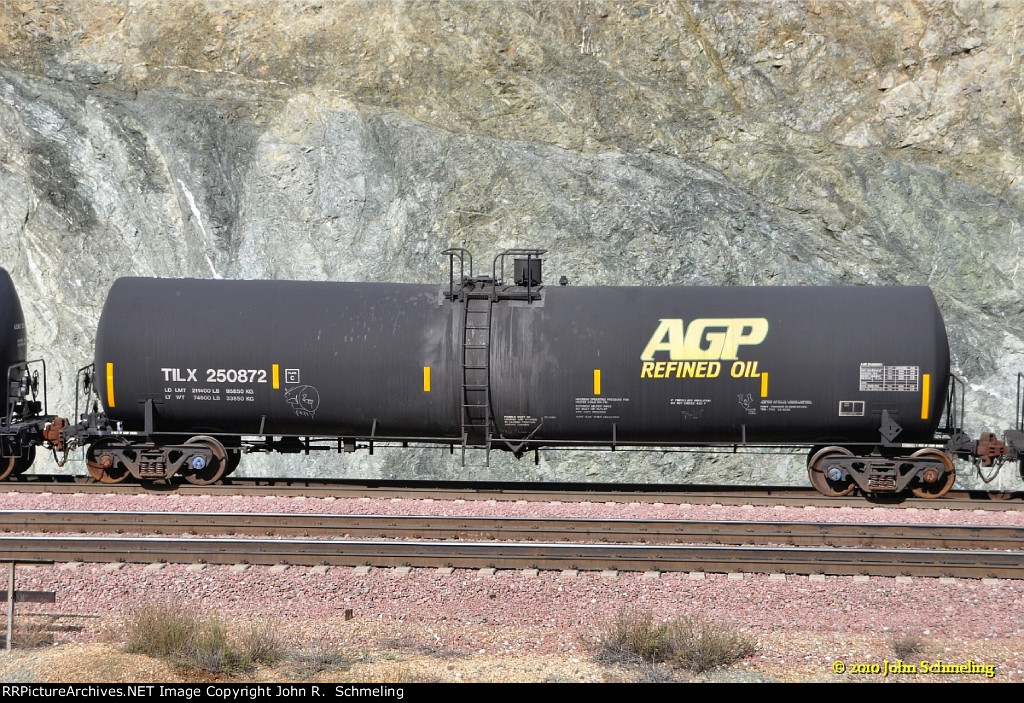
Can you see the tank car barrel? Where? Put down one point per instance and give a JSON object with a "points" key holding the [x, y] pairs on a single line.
{"points": [[189, 374]]}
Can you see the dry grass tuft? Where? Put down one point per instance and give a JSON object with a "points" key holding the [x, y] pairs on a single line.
{"points": [[689, 643], [319, 657], [202, 642], [907, 647]]}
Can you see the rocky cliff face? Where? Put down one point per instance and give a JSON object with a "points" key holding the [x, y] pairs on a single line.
{"points": [[661, 142]]}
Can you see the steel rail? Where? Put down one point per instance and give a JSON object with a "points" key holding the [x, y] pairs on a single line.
{"points": [[720, 495], [505, 555], [520, 528]]}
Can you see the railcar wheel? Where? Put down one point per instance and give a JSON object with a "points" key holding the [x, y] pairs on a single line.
{"points": [[821, 482], [104, 468], [234, 459], [24, 463], [213, 471], [7, 465], [13, 465], [943, 484]]}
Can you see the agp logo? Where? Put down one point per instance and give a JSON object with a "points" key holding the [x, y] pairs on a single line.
{"points": [[717, 339]]}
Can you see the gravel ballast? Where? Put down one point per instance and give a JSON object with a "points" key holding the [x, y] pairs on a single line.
{"points": [[484, 620]]}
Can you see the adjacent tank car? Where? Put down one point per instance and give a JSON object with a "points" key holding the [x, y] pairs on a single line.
{"points": [[191, 373], [25, 420]]}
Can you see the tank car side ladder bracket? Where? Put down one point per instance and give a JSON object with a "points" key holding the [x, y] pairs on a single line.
{"points": [[476, 381]]}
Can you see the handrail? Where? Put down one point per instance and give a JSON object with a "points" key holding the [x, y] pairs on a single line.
{"points": [[462, 254], [952, 405], [1020, 402], [496, 269]]}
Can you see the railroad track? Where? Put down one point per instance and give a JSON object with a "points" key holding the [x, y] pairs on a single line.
{"points": [[790, 547], [620, 531], [569, 493], [506, 555]]}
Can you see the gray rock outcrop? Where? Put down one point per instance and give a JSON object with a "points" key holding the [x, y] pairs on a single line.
{"points": [[663, 142]]}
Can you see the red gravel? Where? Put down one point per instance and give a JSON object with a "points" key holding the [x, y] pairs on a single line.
{"points": [[493, 508], [802, 621]]}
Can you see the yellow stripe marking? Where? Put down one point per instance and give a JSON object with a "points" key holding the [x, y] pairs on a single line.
{"points": [[597, 381], [110, 384], [276, 373], [426, 379], [926, 391], [764, 384]]}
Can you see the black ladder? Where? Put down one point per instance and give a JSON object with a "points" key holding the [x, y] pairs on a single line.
{"points": [[476, 381]]}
